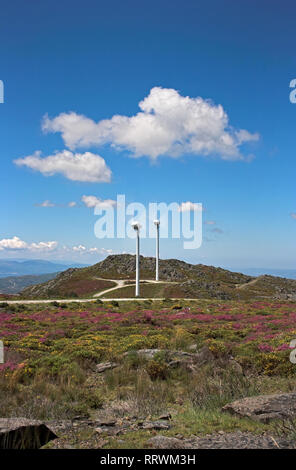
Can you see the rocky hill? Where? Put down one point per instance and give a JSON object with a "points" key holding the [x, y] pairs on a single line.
{"points": [[123, 267], [180, 279]]}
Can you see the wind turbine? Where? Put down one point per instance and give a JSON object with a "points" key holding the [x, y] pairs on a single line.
{"points": [[157, 223], [136, 227]]}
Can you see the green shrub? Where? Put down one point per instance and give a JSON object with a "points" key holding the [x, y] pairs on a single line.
{"points": [[94, 399], [74, 295], [20, 307], [4, 304], [177, 307], [157, 370]]}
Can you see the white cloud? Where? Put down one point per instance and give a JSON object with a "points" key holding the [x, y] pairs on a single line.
{"points": [[93, 201], [80, 248], [16, 243], [35, 249], [46, 203], [189, 206], [74, 166], [94, 250], [106, 251], [100, 251], [293, 215], [43, 246], [168, 124], [245, 136], [83, 250]]}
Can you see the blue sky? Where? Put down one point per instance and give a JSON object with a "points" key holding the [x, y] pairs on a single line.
{"points": [[101, 59]]}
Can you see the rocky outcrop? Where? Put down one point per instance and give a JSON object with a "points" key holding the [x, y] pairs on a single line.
{"points": [[169, 269], [264, 408], [105, 366], [163, 425], [189, 361], [164, 442], [123, 266], [22, 433], [221, 440], [202, 356]]}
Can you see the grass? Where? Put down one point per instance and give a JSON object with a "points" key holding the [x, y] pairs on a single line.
{"points": [[51, 351], [146, 290], [76, 286]]}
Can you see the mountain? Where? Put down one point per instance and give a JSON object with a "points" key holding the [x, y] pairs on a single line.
{"points": [[10, 267], [123, 267], [179, 279], [287, 273], [15, 284]]}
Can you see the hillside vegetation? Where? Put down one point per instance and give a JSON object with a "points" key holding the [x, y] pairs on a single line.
{"points": [[109, 372], [178, 280], [73, 283]]}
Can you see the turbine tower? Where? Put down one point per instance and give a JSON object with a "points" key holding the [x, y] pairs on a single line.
{"points": [[157, 223], [136, 227]]}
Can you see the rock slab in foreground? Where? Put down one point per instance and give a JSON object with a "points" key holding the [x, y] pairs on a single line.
{"points": [[232, 440], [22, 433], [264, 408]]}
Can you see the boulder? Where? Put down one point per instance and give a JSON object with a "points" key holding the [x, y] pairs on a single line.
{"points": [[190, 360], [162, 425], [149, 353], [164, 442], [22, 433], [165, 416], [264, 408], [106, 422], [105, 366], [203, 356]]}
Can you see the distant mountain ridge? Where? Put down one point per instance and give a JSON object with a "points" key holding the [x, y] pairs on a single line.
{"points": [[179, 280], [31, 267], [286, 273], [15, 284]]}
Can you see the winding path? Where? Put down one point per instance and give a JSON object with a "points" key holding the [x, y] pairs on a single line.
{"points": [[119, 284], [123, 283]]}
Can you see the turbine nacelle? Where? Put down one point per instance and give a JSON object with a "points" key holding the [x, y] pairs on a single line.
{"points": [[136, 225]]}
